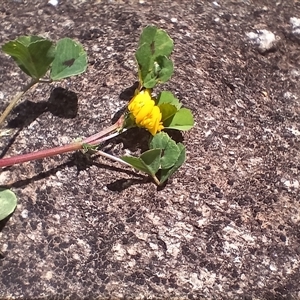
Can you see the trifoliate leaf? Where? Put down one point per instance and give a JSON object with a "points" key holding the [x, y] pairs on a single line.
{"points": [[155, 46], [170, 150]]}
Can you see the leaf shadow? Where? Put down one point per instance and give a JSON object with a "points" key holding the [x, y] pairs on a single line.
{"points": [[3, 223], [61, 103], [82, 162]]}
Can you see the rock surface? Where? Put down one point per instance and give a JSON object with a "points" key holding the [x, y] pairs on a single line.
{"points": [[226, 226]]}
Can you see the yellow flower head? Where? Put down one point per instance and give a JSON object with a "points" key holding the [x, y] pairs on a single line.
{"points": [[146, 114]]}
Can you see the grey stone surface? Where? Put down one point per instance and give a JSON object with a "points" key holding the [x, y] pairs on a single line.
{"points": [[226, 226]]}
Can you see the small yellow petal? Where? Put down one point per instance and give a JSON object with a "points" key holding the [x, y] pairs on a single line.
{"points": [[144, 111], [143, 95]]}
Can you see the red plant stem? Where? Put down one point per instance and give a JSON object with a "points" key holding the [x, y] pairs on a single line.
{"points": [[92, 140], [102, 133], [18, 159]]}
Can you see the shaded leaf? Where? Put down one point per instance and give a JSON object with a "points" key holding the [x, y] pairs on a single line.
{"points": [[182, 120], [151, 159], [148, 162], [33, 54], [166, 173], [170, 150], [167, 111], [168, 97]]}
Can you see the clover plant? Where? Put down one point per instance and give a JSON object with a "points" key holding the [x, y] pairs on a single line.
{"points": [[44, 62]]}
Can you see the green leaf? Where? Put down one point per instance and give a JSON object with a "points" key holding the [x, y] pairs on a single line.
{"points": [[168, 97], [33, 54], [167, 111], [70, 59], [148, 162], [136, 163], [8, 203], [166, 173], [170, 150], [151, 159], [155, 46], [182, 120], [158, 39]]}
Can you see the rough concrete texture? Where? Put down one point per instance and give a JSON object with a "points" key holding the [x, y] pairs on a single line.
{"points": [[226, 226]]}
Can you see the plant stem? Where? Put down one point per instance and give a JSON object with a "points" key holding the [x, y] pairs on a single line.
{"points": [[117, 159], [15, 99], [113, 158], [18, 159], [156, 180], [95, 139]]}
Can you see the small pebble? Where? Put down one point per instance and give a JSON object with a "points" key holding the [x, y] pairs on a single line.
{"points": [[295, 22], [263, 39], [53, 2]]}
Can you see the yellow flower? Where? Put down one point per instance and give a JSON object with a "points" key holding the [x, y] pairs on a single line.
{"points": [[145, 113]]}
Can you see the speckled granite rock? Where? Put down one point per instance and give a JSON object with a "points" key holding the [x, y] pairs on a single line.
{"points": [[226, 226]]}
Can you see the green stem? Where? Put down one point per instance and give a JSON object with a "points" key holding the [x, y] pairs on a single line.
{"points": [[15, 99], [117, 159], [156, 180], [45, 80]]}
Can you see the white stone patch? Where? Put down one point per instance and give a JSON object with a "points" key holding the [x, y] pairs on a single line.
{"points": [[53, 2], [194, 280], [245, 236], [76, 256], [264, 39], [294, 131], [290, 96], [68, 24], [4, 176], [290, 183], [155, 219], [173, 249], [24, 214], [173, 20], [48, 275], [273, 267], [133, 249], [295, 22], [295, 73], [119, 251], [191, 278], [153, 246], [4, 247], [215, 3]]}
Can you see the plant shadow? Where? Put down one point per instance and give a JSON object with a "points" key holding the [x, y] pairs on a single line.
{"points": [[61, 103]]}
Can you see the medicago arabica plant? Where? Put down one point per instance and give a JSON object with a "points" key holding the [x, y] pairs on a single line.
{"points": [[154, 114]]}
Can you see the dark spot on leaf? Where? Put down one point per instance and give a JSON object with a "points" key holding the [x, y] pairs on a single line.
{"points": [[69, 62], [152, 47]]}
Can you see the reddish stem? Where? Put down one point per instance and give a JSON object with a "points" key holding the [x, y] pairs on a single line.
{"points": [[18, 159], [92, 140]]}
